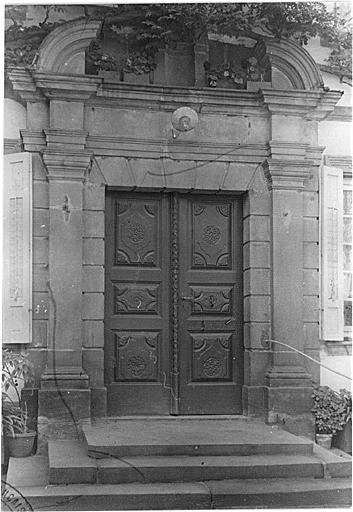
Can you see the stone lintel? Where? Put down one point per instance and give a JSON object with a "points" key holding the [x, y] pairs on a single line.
{"points": [[312, 105], [66, 165]]}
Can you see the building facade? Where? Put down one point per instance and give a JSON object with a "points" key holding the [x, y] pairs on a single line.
{"points": [[163, 262]]}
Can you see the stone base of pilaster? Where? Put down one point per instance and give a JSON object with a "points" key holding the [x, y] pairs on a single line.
{"points": [[288, 400], [98, 402], [61, 414]]}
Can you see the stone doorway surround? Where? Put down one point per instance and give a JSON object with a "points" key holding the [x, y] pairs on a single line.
{"points": [[88, 134]]}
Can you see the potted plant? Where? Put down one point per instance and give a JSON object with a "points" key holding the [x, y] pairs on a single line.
{"points": [[343, 438], [330, 412], [19, 438]]}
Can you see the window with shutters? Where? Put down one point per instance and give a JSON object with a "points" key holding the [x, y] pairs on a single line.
{"points": [[347, 257], [17, 249], [336, 255]]}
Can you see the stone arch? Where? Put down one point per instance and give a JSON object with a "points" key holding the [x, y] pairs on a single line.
{"points": [[63, 50], [292, 60]]}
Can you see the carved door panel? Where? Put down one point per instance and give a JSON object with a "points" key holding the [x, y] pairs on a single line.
{"points": [[137, 304], [210, 318]]}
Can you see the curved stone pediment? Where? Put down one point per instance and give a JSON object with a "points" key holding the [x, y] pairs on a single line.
{"points": [[63, 50], [293, 61]]}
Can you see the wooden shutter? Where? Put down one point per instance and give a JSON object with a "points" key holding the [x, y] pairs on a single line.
{"points": [[17, 249], [332, 254]]}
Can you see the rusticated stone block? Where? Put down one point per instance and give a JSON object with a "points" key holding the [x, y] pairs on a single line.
{"points": [[93, 364], [94, 196], [311, 308], [310, 204], [256, 228], [93, 224], [92, 278], [256, 308], [92, 306], [40, 194], [310, 229], [98, 402], [40, 333], [256, 282], [255, 333], [253, 401], [40, 222], [311, 335], [93, 333], [255, 366], [311, 281], [40, 250], [40, 305], [256, 255], [93, 251], [311, 255], [67, 404], [40, 278]]}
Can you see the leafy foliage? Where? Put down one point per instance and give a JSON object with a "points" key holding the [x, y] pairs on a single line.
{"points": [[14, 419], [16, 368], [332, 410], [154, 26]]}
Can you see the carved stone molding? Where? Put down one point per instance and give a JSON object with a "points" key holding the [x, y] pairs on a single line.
{"points": [[71, 166], [312, 105], [23, 83], [64, 48], [66, 87], [64, 139], [33, 140], [288, 164]]}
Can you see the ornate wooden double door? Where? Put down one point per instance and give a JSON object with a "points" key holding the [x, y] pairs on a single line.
{"points": [[173, 302]]}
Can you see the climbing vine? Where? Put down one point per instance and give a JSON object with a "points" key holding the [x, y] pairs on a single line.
{"points": [[155, 26]]}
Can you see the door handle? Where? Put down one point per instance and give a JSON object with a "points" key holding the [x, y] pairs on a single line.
{"points": [[188, 298]]}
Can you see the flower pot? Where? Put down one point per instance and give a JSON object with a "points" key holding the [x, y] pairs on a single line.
{"points": [[324, 440], [21, 445], [343, 438]]}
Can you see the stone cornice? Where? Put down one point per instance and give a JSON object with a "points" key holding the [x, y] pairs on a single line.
{"points": [[341, 114], [33, 140], [66, 165], [168, 98], [288, 164], [343, 162], [23, 83], [66, 87], [59, 139], [313, 105]]}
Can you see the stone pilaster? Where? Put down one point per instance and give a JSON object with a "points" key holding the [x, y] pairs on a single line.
{"points": [[64, 393], [288, 385]]}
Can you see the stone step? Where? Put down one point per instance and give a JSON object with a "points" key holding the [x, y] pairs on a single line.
{"points": [[245, 493], [132, 437], [69, 463]]}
